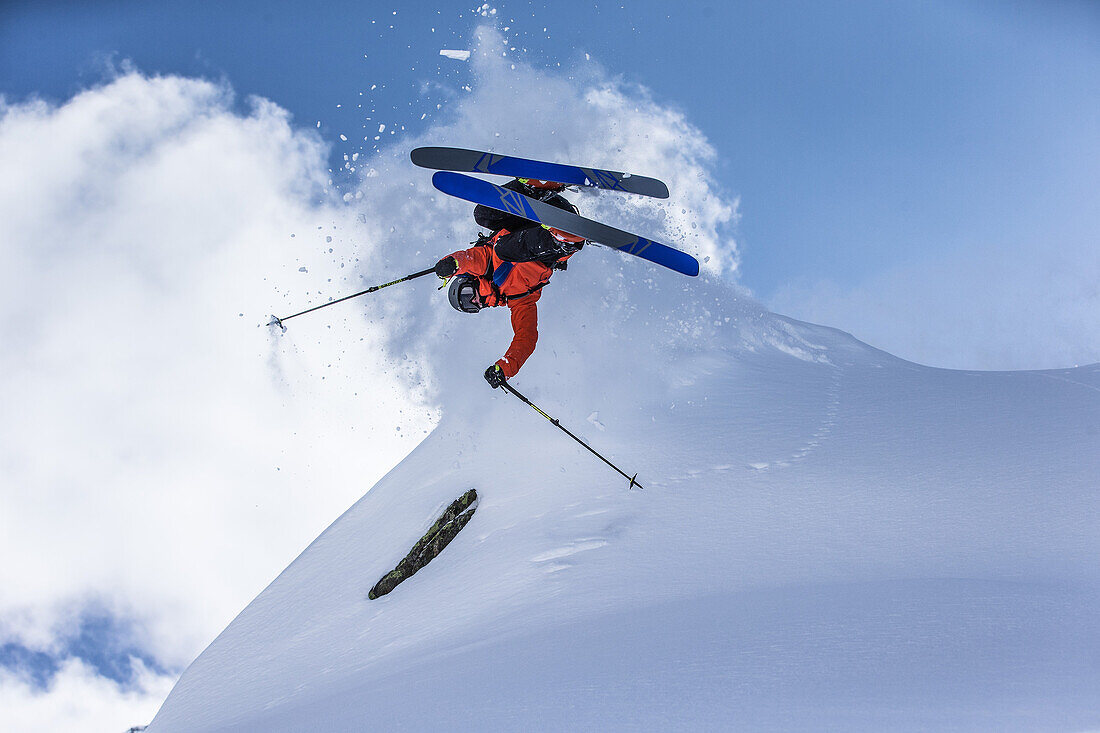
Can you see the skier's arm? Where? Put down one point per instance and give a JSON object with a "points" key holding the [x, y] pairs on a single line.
{"points": [[472, 261], [525, 321]]}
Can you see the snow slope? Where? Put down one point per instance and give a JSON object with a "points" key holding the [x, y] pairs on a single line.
{"points": [[829, 538]]}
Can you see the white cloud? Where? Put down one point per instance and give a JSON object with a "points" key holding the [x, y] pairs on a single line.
{"points": [[164, 457], [78, 699]]}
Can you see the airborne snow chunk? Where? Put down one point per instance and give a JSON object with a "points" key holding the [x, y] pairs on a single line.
{"points": [[456, 55]]}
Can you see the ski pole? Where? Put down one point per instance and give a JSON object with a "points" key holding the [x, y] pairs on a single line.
{"points": [[276, 321], [555, 423]]}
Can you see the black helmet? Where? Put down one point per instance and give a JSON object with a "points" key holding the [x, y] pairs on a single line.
{"points": [[464, 294]]}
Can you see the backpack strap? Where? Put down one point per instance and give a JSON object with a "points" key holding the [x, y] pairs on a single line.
{"points": [[509, 298], [492, 275]]}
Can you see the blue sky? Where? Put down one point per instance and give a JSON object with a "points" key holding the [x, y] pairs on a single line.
{"points": [[860, 136]]}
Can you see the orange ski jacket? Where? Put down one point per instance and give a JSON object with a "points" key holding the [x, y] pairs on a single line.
{"points": [[517, 285]]}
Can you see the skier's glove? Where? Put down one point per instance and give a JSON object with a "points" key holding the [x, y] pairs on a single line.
{"points": [[446, 267], [494, 375]]}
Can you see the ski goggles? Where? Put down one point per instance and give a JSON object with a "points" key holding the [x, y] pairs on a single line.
{"points": [[464, 294]]}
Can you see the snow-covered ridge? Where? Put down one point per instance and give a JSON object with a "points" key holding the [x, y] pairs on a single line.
{"points": [[829, 535]]}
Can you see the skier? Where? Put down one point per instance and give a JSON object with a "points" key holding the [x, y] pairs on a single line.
{"points": [[510, 268]]}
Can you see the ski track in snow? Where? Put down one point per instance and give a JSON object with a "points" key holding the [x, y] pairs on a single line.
{"points": [[570, 549], [828, 422], [593, 513], [1057, 378]]}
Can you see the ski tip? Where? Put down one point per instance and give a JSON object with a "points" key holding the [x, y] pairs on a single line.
{"points": [[442, 177], [440, 158], [420, 157]]}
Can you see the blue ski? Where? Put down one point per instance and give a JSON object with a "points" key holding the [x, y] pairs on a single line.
{"points": [[476, 161], [479, 191]]}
